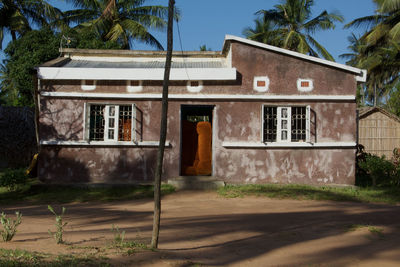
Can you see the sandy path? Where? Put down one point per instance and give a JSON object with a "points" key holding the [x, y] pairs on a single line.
{"points": [[210, 230]]}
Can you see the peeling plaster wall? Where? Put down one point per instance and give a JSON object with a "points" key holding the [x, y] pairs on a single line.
{"points": [[284, 70], [298, 166], [235, 121]]}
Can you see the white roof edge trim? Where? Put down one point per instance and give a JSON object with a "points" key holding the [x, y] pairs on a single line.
{"points": [[359, 72], [289, 145], [199, 96], [101, 143], [156, 74]]}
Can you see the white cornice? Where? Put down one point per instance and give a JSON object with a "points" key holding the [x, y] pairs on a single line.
{"points": [[201, 96], [155, 74], [101, 143], [288, 145]]}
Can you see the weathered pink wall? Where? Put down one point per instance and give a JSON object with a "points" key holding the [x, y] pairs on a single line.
{"points": [[235, 121]]}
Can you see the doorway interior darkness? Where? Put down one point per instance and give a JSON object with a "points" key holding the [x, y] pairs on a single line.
{"points": [[196, 140]]}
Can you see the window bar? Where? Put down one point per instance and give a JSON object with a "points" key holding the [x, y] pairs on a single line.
{"points": [[125, 123], [133, 124], [308, 127]]}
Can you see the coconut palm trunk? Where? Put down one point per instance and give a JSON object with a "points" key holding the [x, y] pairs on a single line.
{"points": [[163, 129]]}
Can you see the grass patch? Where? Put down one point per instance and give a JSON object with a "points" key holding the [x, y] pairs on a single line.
{"points": [[34, 192], [373, 195], [372, 229], [17, 257]]}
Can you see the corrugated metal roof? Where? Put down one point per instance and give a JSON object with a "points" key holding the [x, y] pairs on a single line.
{"points": [[141, 65]]}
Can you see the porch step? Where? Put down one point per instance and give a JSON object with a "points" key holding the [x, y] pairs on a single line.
{"points": [[196, 182]]}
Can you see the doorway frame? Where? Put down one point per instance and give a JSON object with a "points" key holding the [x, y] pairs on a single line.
{"points": [[212, 112]]}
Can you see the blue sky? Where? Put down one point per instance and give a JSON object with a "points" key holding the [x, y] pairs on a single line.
{"points": [[205, 22]]}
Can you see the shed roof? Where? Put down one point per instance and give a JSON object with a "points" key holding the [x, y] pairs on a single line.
{"points": [[202, 65], [141, 65], [366, 111]]}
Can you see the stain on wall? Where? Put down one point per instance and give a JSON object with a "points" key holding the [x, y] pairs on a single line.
{"points": [[234, 121]]}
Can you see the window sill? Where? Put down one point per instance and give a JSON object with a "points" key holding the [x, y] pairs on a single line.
{"points": [[98, 143], [287, 145]]}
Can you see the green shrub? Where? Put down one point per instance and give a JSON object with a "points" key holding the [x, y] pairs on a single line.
{"points": [[11, 178], [9, 226], [377, 171]]}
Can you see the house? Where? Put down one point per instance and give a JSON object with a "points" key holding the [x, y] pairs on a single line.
{"points": [[252, 113], [378, 131]]}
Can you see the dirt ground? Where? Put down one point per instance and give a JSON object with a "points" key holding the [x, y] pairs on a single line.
{"points": [[208, 230]]}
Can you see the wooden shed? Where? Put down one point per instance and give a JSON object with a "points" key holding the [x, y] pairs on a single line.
{"points": [[378, 131]]}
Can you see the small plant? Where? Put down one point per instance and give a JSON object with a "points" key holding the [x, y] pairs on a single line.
{"points": [[9, 226], [58, 234], [12, 178], [118, 235]]}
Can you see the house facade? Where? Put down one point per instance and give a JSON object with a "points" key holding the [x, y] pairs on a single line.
{"points": [[252, 113]]}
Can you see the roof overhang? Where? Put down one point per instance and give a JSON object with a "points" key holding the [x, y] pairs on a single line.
{"points": [[360, 74], [156, 74]]}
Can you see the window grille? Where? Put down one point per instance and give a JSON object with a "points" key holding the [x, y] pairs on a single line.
{"points": [[125, 123], [96, 132], [286, 124], [111, 122], [270, 124], [299, 124]]}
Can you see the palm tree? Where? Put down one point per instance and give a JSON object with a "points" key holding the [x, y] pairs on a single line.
{"points": [[119, 20], [380, 53], [263, 31], [17, 16], [294, 27]]}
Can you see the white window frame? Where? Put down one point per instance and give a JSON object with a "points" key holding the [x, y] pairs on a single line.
{"points": [[194, 89], [261, 89], [87, 87], [134, 89], [308, 88], [114, 139], [289, 123]]}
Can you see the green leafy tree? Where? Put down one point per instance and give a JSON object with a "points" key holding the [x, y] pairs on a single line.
{"points": [[16, 16], [204, 48], [393, 103], [262, 32], [380, 53], [293, 27], [120, 21], [31, 50]]}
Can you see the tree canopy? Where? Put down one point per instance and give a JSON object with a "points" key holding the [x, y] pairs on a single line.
{"points": [[290, 25], [378, 50], [121, 21], [18, 16], [31, 50]]}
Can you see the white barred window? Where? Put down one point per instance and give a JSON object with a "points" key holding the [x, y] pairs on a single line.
{"points": [[107, 122], [286, 124]]}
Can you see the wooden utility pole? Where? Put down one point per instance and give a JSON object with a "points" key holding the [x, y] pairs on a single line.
{"points": [[163, 129]]}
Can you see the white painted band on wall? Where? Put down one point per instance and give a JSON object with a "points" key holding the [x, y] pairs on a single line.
{"points": [[199, 96], [156, 74], [100, 143], [288, 145]]}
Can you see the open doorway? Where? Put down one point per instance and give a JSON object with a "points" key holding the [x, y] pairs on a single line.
{"points": [[196, 140]]}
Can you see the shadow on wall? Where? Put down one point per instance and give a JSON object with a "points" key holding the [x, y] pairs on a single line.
{"points": [[69, 125], [132, 165], [313, 126], [54, 168]]}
